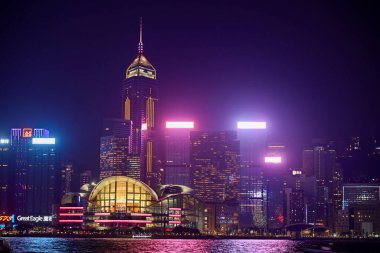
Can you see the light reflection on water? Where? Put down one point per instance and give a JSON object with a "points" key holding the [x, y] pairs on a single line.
{"points": [[121, 245]]}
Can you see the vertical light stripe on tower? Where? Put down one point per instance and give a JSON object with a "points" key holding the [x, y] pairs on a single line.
{"points": [[127, 109], [150, 112], [149, 156]]}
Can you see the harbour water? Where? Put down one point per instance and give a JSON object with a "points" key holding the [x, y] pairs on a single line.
{"points": [[120, 245]]}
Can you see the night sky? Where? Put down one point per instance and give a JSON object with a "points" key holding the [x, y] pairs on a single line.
{"points": [[309, 68]]}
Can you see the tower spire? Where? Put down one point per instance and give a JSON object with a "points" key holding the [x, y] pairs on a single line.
{"points": [[140, 48]]}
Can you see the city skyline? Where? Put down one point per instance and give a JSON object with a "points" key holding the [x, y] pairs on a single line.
{"points": [[248, 121], [280, 78]]}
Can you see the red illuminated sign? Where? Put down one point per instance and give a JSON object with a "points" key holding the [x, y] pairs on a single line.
{"points": [[27, 132]]}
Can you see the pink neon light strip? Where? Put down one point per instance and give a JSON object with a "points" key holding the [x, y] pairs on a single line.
{"points": [[102, 214], [71, 214], [174, 215], [174, 222], [141, 214], [71, 208], [70, 221], [123, 221], [175, 208]]}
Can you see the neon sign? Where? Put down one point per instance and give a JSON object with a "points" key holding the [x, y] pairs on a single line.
{"points": [[34, 219], [7, 218], [123, 221], [27, 132]]}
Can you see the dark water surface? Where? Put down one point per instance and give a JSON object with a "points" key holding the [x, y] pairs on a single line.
{"points": [[47, 244]]}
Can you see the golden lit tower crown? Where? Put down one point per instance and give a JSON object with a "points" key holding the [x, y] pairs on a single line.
{"points": [[140, 65]]}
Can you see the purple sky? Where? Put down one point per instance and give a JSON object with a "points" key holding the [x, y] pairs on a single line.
{"points": [[310, 68]]}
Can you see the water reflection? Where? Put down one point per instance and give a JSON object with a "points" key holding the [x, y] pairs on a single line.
{"points": [[121, 245]]}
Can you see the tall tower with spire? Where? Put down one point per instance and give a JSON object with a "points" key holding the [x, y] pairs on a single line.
{"points": [[139, 96]]}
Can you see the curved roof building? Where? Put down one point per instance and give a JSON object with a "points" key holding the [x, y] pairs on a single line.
{"points": [[121, 194]]}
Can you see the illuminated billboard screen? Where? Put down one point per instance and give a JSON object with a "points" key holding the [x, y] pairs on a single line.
{"points": [[180, 124], [251, 125], [144, 126], [273, 159], [43, 141]]}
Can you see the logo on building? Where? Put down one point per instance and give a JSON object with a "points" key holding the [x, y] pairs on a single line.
{"points": [[27, 132]]}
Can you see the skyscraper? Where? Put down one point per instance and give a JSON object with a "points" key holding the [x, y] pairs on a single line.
{"points": [[34, 162], [215, 165], [274, 175], [215, 174], [139, 96], [5, 176], [319, 162], [252, 137], [177, 142], [114, 147]]}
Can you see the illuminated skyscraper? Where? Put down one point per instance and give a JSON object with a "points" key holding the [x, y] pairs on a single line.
{"points": [[215, 174], [274, 175], [34, 161], [215, 165], [139, 95], [252, 137], [177, 140], [114, 148], [320, 163]]}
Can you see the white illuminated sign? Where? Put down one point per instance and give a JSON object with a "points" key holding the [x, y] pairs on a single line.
{"points": [[179, 124], [4, 141], [34, 219], [251, 125], [273, 159], [43, 141]]}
